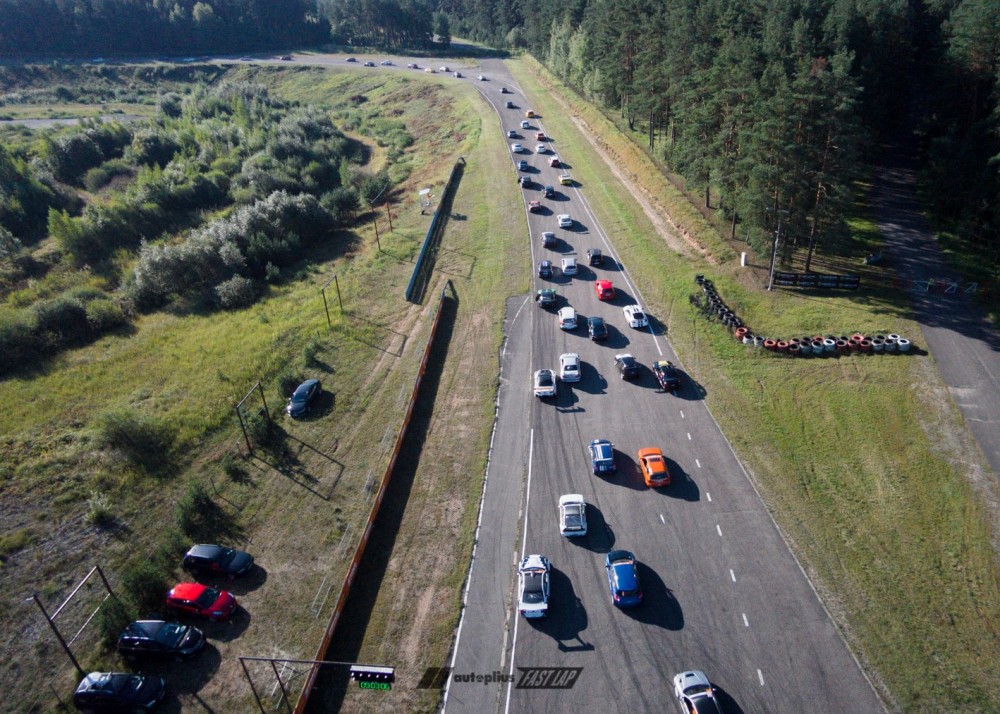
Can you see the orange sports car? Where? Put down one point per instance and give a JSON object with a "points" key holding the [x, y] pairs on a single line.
{"points": [[654, 467]]}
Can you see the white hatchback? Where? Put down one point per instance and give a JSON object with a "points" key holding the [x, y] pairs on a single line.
{"points": [[565, 220], [569, 266], [569, 367], [567, 318]]}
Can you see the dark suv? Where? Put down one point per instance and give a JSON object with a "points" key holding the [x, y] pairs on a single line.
{"points": [[157, 638], [627, 366]]}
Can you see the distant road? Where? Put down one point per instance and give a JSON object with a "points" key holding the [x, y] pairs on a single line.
{"points": [[965, 345]]}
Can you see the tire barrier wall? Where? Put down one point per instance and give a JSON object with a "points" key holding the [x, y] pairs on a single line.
{"points": [[809, 345], [345, 590], [425, 259]]}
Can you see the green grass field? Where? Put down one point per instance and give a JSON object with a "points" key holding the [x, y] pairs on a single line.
{"points": [[864, 462]]}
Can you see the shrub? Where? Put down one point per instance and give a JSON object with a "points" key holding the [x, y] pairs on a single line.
{"points": [[73, 156], [233, 467], [236, 292], [198, 515], [170, 104], [99, 512], [140, 438], [19, 345], [145, 585], [104, 316], [112, 618], [62, 321]]}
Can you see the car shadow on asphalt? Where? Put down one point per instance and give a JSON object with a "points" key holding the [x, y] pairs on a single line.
{"points": [[681, 485], [659, 606], [591, 381], [726, 701], [627, 475], [600, 536], [655, 326], [617, 339], [567, 616]]}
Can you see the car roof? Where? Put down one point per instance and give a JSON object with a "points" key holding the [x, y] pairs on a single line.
{"points": [[144, 628], [188, 591]]}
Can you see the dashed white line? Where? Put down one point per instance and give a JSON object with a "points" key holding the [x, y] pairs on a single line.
{"points": [[689, 436], [718, 529], [682, 414], [662, 520], [698, 463], [708, 495], [760, 676], [732, 575], [746, 622]]}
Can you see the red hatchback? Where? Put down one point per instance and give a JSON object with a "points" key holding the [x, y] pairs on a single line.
{"points": [[201, 600], [604, 289]]}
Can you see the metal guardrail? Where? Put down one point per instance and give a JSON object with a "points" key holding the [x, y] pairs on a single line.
{"points": [[419, 276], [352, 572]]}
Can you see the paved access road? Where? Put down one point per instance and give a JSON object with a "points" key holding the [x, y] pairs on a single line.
{"points": [[722, 590]]}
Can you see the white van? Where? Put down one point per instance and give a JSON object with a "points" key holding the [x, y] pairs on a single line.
{"points": [[569, 266], [567, 318]]}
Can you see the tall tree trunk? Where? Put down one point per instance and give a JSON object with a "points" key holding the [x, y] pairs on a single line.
{"points": [[651, 139], [732, 231]]}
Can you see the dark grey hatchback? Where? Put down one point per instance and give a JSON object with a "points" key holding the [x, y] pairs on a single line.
{"points": [[303, 397], [118, 692], [218, 559], [160, 639]]}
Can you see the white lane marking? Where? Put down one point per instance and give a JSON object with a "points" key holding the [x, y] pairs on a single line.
{"points": [[689, 436], [697, 463], [662, 520], [760, 676], [746, 622], [682, 413], [524, 542], [708, 495], [732, 575], [718, 529]]}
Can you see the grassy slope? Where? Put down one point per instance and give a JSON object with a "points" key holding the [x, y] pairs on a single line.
{"points": [[864, 462], [301, 514]]}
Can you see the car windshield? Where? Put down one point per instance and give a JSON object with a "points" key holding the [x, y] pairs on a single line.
{"points": [[207, 598], [170, 634], [655, 462], [545, 379]]}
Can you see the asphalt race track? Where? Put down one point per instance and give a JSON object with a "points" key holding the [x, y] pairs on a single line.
{"points": [[722, 592]]}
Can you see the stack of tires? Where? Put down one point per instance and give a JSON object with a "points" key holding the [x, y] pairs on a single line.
{"points": [[815, 345]]}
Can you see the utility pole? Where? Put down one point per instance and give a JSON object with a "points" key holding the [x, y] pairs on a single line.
{"points": [[774, 248]]}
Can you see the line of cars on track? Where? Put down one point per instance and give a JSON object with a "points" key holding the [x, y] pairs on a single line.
{"points": [[692, 688], [159, 639]]}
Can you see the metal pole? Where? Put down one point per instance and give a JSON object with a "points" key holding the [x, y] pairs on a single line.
{"points": [[375, 223], [774, 251], [326, 308], [388, 212], [69, 653], [261, 389], [101, 573], [244, 428], [252, 688], [336, 284], [288, 704]]}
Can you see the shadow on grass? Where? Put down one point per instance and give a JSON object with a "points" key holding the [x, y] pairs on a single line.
{"points": [[278, 454], [331, 685]]}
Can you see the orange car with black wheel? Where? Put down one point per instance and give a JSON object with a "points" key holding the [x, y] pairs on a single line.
{"points": [[654, 467]]}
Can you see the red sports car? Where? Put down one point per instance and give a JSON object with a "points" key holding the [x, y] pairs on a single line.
{"points": [[201, 600]]}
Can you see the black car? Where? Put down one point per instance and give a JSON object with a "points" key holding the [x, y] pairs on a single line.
{"points": [[118, 692], [597, 329], [302, 397], [504, 90], [545, 269], [594, 256], [218, 559], [157, 638], [627, 367], [549, 192], [666, 375], [525, 181]]}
